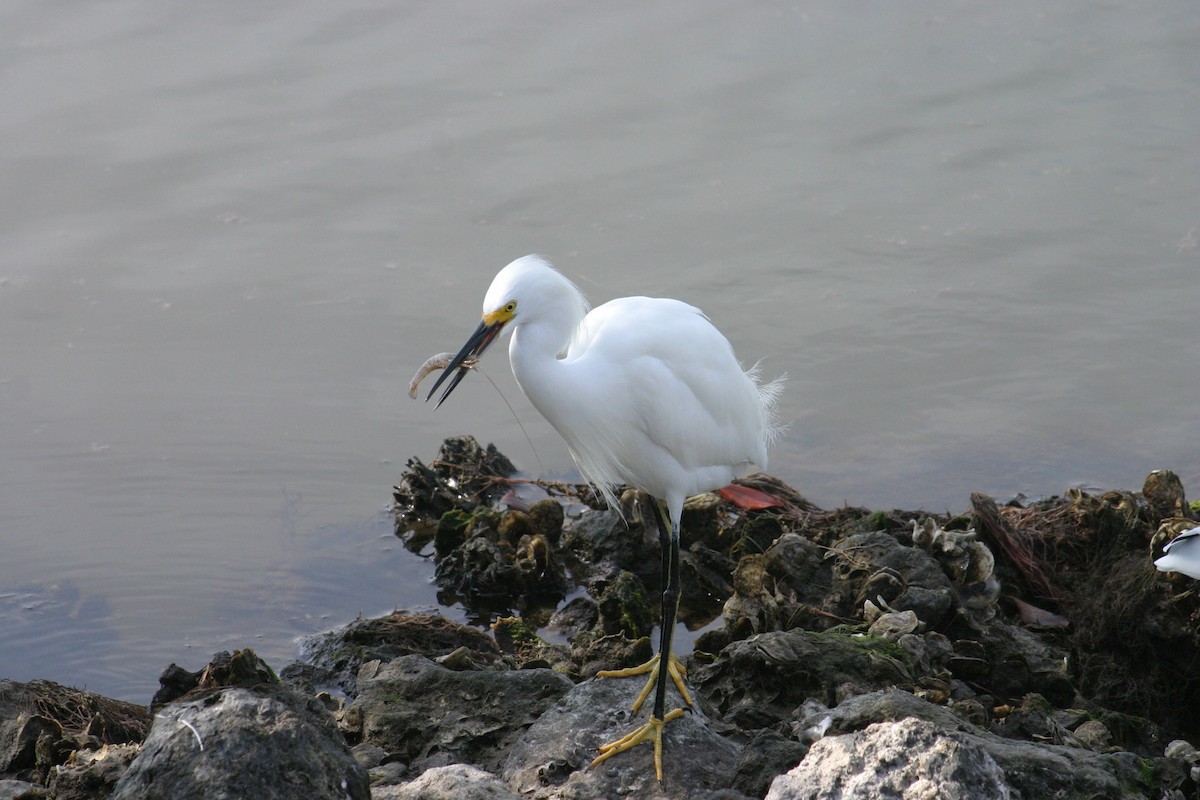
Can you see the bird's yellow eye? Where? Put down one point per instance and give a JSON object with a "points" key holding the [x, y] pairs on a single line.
{"points": [[501, 315]]}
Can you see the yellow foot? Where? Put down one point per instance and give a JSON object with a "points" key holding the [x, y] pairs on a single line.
{"points": [[675, 669], [652, 731]]}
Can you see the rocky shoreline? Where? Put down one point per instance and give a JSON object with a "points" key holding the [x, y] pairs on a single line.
{"points": [[1021, 651]]}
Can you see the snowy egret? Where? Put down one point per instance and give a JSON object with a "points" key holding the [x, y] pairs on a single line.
{"points": [[646, 393], [1182, 554]]}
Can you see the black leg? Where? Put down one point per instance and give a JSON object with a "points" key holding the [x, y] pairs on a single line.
{"points": [[664, 541], [661, 666], [668, 537]]}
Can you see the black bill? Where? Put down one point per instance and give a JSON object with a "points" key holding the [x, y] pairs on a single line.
{"points": [[473, 349]]}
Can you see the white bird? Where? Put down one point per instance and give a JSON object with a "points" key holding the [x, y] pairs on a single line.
{"points": [[646, 393], [1182, 554]]}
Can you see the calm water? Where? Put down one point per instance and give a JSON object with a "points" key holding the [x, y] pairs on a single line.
{"points": [[230, 232]]}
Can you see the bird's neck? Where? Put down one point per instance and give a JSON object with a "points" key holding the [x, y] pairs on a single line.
{"points": [[535, 353]]}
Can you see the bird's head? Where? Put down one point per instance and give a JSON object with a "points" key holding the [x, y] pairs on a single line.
{"points": [[520, 286]]}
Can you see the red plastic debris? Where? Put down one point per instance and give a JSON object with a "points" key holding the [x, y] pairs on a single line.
{"points": [[747, 498]]}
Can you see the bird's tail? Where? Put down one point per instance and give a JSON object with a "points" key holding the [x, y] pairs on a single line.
{"points": [[768, 403]]}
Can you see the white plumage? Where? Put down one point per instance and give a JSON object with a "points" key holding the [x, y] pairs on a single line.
{"points": [[1182, 554]]}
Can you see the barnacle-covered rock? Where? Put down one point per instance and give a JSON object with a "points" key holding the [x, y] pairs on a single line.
{"points": [[923, 587], [462, 476], [781, 588], [1164, 496], [966, 561]]}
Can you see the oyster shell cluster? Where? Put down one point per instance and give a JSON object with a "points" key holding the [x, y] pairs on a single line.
{"points": [[966, 560]]}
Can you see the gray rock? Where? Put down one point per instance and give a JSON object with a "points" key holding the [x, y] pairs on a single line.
{"points": [[369, 755], [551, 760], [766, 755], [453, 782], [20, 790], [759, 682], [857, 713], [1019, 662], [603, 537], [1031, 769], [237, 743], [333, 658], [19, 735], [1094, 735], [391, 772], [625, 608], [572, 619], [907, 760], [1048, 770], [430, 716]]}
